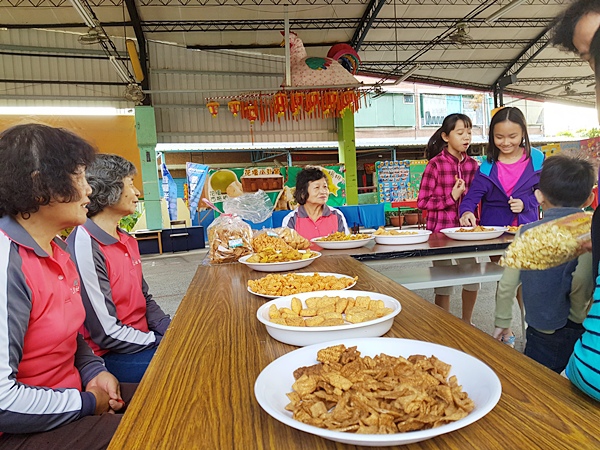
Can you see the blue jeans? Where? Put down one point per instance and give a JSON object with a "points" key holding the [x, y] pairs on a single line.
{"points": [[128, 367], [553, 350]]}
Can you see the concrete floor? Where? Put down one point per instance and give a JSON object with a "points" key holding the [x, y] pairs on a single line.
{"points": [[169, 276]]}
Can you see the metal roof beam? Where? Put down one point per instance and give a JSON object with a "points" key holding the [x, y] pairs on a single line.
{"points": [[141, 40], [184, 3], [471, 64], [365, 23], [168, 26]]}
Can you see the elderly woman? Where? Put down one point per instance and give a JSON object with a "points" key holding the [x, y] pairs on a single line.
{"points": [[123, 323], [49, 377], [313, 218]]}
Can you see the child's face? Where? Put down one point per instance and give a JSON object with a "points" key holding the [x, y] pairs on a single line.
{"points": [[508, 137], [459, 139]]}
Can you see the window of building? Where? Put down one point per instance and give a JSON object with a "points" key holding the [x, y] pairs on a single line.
{"points": [[409, 99]]}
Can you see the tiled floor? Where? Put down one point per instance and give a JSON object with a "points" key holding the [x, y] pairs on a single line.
{"points": [[169, 276]]}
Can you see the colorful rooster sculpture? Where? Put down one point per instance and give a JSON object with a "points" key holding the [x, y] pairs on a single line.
{"points": [[336, 69]]}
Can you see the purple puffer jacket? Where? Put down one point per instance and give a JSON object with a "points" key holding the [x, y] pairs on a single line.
{"points": [[486, 188]]}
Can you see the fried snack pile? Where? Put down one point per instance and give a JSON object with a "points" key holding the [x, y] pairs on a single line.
{"points": [[340, 236], [383, 232], [280, 285], [328, 311], [292, 238], [380, 395], [477, 229], [229, 238], [549, 244], [512, 229], [263, 241], [273, 256]]}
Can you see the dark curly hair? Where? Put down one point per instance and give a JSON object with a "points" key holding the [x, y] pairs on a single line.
{"points": [[513, 115], [105, 177], [303, 179], [564, 25], [37, 163]]}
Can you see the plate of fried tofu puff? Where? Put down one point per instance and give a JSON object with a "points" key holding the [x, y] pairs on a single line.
{"points": [[314, 317]]}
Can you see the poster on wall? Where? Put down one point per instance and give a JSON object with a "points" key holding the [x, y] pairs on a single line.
{"points": [[393, 179], [278, 182], [169, 192]]}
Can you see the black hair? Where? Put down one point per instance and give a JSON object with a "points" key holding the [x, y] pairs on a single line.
{"points": [[512, 115], [564, 25], [566, 181], [595, 53], [306, 176], [37, 164], [105, 176], [436, 143]]}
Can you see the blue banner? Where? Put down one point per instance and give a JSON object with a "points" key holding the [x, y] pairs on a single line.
{"points": [[196, 177], [169, 192]]}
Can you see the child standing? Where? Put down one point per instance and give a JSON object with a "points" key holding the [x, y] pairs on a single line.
{"points": [[447, 176], [506, 182], [555, 299]]}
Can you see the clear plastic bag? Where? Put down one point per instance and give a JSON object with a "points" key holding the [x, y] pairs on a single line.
{"points": [[229, 238], [256, 207], [550, 244]]}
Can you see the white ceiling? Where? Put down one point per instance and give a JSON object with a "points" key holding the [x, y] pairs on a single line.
{"points": [[403, 33]]}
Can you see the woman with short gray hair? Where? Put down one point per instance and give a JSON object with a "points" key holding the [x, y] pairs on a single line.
{"points": [[123, 323]]}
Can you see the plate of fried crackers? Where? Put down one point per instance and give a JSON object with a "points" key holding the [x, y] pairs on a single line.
{"points": [[332, 390], [478, 233], [313, 317], [512, 229], [342, 241], [269, 261], [276, 285], [400, 237]]}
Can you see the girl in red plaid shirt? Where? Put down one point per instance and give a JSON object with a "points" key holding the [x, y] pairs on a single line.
{"points": [[447, 177]]}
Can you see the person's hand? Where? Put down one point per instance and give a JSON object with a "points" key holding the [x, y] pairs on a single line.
{"points": [[516, 205], [107, 391], [458, 189], [502, 334], [468, 219]]}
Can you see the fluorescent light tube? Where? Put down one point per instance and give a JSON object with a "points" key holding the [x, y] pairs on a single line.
{"points": [[505, 9], [124, 74], [404, 77], [84, 13]]}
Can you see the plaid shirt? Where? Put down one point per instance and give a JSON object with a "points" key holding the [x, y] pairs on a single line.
{"points": [[435, 193]]}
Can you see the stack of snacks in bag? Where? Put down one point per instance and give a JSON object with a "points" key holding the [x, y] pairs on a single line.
{"points": [[550, 244], [229, 238]]}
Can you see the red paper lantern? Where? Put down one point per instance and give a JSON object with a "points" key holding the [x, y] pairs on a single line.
{"points": [[234, 107], [312, 100], [251, 113], [281, 103], [213, 108], [296, 102]]}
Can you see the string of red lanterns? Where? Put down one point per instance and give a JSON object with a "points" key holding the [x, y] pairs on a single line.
{"points": [[290, 105]]}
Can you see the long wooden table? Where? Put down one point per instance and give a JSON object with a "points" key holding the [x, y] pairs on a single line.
{"points": [[198, 391]]}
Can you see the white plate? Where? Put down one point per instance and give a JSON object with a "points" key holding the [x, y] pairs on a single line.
{"points": [[474, 236], [476, 378], [313, 335], [420, 237], [279, 266], [308, 274], [341, 245]]}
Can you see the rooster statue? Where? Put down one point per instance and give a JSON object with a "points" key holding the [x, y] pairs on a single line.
{"points": [[336, 69]]}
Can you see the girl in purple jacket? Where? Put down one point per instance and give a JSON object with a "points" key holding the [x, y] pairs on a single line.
{"points": [[447, 176], [506, 182]]}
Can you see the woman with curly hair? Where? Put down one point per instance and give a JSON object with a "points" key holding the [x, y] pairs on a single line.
{"points": [[123, 323], [53, 389]]}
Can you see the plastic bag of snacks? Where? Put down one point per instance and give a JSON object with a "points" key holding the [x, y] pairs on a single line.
{"points": [[550, 244], [229, 238]]}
